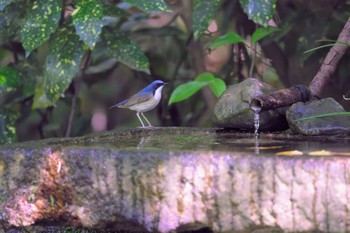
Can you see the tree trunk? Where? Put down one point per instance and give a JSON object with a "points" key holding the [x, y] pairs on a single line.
{"points": [[331, 61]]}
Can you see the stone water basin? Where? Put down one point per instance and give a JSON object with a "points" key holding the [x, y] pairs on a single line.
{"points": [[179, 180]]}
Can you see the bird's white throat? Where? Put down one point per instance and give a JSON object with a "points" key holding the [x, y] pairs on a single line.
{"points": [[158, 93]]}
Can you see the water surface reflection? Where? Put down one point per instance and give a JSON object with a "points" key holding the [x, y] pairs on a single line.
{"points": [[243, 143]]}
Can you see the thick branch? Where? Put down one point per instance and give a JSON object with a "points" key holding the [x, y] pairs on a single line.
{"points": [[331, 61]]}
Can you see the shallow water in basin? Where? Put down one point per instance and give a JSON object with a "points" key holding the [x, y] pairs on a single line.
{"points": [[266, 144]]}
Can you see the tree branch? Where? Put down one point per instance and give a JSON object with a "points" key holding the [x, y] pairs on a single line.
{"points": [[77, 84], [331, 61]]}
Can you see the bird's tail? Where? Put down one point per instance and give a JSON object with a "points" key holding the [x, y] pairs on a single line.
{"points": [[118, 104]]}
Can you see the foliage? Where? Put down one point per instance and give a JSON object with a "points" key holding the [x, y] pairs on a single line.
{"points": [[201, 21], [262, 32], [52, 201], [150, 5], [53, 37], [203, 13], [324, 115], [228, 38], [8, 78], [56, 52], [88, 22], [4, 3], [186, 90], [125, 50], [65, 46], [233, 38], [40, 21], [7, 129], [260, 11], [331, 44], [61, 65]]}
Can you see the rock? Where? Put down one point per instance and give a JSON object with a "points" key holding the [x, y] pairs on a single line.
{"points": [[233, 110], [338, 124]]}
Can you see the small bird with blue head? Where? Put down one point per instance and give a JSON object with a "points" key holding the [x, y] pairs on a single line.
{"points": [[144, 101]]}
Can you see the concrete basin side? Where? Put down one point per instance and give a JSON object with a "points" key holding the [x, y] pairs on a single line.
{"points": [[163, 190]]}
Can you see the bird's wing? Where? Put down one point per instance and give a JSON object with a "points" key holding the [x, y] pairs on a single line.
{"points": [[138, 98], [135, 99], [119, 104]]}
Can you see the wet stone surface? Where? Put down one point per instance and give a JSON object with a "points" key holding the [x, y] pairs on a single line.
{"points": [[338, 124], [178, 180], [233, 108]]}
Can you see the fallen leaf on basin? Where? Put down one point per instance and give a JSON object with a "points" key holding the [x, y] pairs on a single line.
{"points": [[321, 153], [290, 153], [328, 153]]}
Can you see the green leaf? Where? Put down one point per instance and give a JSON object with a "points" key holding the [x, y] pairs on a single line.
{"points": [[4, 3], [41, 21], [87, 19], [260, 11], [262, 32], [217, 86], [229, 38], [40, 99], [204, 12], [119, 46], [28, 73], [318, 47], [324, 115], [149, 5], [52, 201], [61, 66], [184, 91], [333, 42], [8, 78], [205, 77], [13, 85], [7, 126], [11, 20]]}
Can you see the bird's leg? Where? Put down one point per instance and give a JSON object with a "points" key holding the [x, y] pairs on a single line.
{"points": [[149, 124], [138, 116]]}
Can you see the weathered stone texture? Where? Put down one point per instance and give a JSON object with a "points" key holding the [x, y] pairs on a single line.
{"points": [[139, 190]]}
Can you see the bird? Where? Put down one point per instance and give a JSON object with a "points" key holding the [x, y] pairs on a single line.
{"points": [[144, 101]]}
